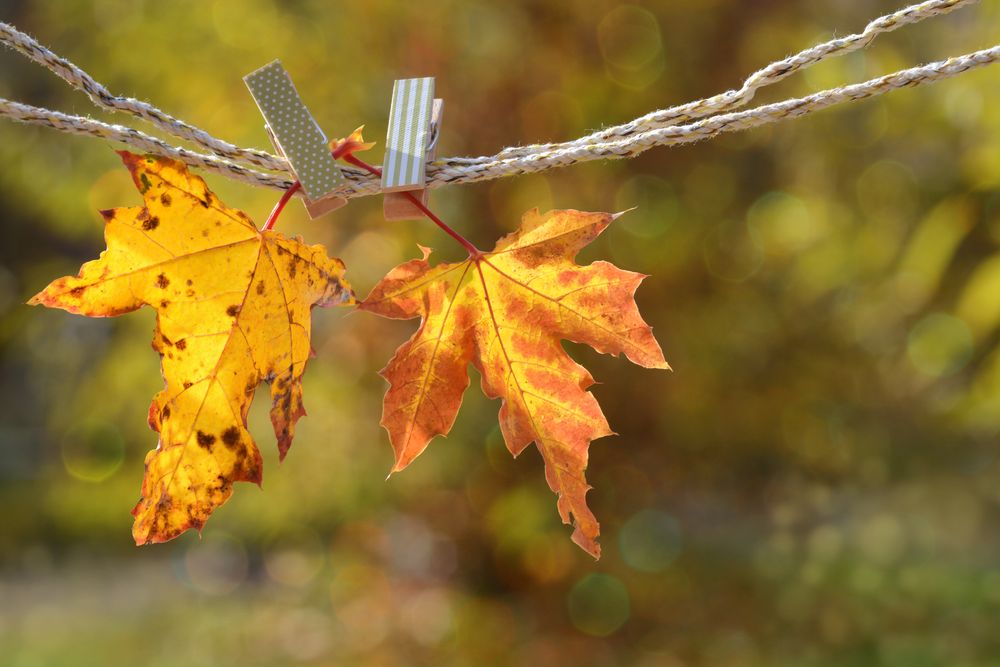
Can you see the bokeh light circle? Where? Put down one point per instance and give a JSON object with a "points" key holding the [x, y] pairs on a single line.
{"points": [[630, 41], [599, 604], [217, 564], [650, 541], [731, 252], [295, 559], [656, 203], [92, 451], [629, 37], [939, 345]]}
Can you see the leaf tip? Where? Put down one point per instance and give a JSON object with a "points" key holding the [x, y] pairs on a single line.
{"points": [[140, 533], [351, 144], [658, 361], [129, 159], [397, 466], [587, 543]]}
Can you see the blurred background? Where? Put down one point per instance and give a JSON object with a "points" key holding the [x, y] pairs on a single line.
{"points": [[816, 483]]}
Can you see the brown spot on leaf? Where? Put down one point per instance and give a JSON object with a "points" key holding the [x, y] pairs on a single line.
{"points": [[151, 224], [241, 458], [165, 412], [164, 303], [181, 344], [165, 199], [164, 501], [260, 287], [231, 436], [77, 292], [162, 281], [232, 311], [187, 385], [205, 440]]}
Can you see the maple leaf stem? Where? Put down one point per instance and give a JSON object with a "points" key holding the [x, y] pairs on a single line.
{"points": [[358, 162], [280, 206]]}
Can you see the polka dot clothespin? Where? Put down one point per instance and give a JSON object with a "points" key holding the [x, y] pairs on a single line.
{"points": [[296, 135]]}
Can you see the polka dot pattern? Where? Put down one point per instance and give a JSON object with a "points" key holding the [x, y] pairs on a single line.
{"points": [[294, 129]]}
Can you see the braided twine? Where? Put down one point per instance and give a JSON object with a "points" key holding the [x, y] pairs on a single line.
{"points": [[686, 123]]}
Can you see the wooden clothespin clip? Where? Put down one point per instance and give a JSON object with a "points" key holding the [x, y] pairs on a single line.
{"points": [[297, 137], [414, 128]]}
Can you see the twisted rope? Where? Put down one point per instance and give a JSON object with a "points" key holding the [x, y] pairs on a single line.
{"points": [[666, 127], [25, 113], [482, 169], [102, 97], [773, 73]]}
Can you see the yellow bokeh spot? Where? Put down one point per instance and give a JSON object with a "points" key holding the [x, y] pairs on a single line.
{"points": [[511, 197], [630, 41], [92, 451], [784, 223], [629, 37], [656, 205], [939, 345], [979, 304]]}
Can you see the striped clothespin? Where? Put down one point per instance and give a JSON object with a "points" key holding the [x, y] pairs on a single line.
{"points": [[414, 127], [297, 136]]}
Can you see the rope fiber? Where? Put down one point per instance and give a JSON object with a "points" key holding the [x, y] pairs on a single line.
{"points": [[685, 123]]}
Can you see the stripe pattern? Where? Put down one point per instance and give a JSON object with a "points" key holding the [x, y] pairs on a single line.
{"points": [[409, 132], [294, 129]]}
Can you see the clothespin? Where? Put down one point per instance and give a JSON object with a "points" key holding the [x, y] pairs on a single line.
{"points": [[414, 128], [297, 136]]}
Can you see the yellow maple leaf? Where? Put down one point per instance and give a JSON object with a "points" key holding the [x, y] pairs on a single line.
{"points": [[233, 310], [505, 312]]}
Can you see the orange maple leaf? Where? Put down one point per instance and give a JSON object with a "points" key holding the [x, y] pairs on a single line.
{"points": [[233, 310], [505, 312]]}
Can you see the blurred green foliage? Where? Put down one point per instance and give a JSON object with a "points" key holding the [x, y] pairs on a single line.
{"points": [[817, 483]]}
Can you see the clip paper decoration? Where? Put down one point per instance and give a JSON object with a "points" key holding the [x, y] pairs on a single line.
{"points": [[297, 136], [411, 142]]}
